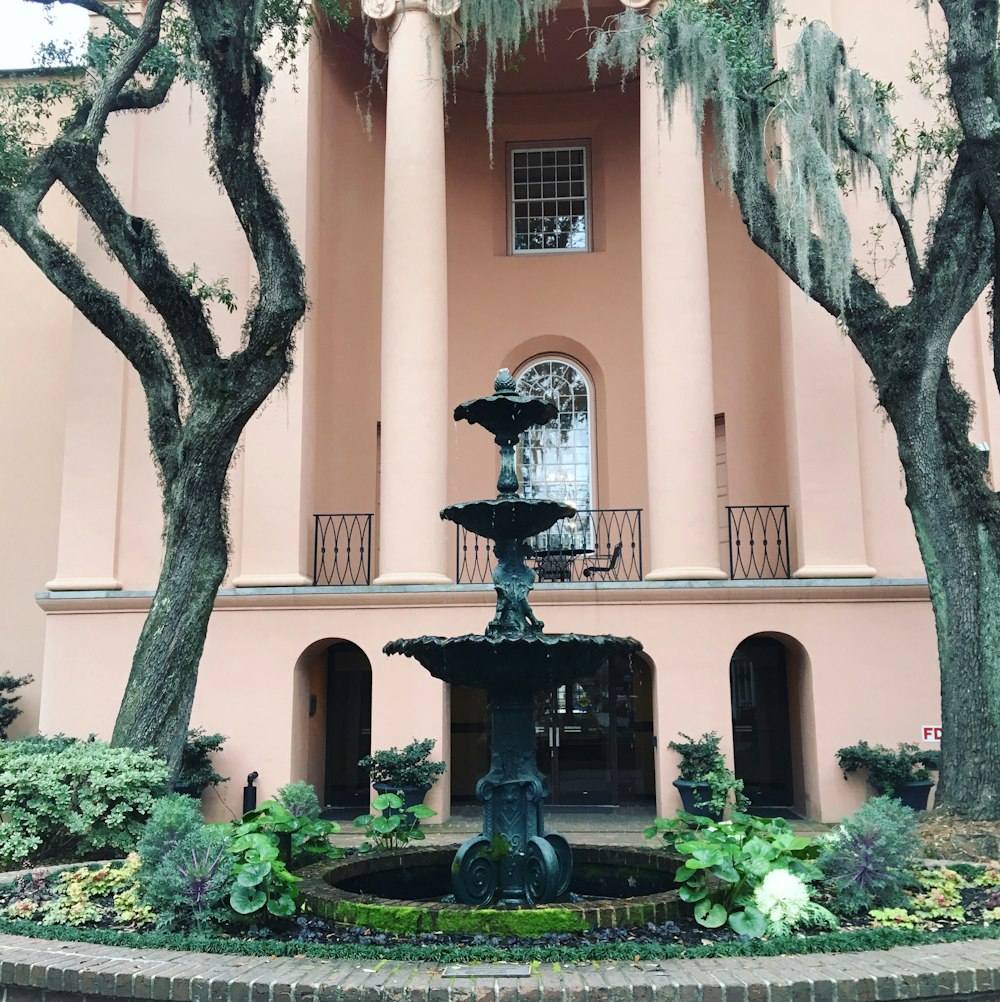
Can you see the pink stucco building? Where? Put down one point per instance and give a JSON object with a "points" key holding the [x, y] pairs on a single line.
{"points": [[595, 258]]}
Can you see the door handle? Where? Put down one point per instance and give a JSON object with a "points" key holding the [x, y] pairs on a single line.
{"points": [[552, 743], [557, 737]]}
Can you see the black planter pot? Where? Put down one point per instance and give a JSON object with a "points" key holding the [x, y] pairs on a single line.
{"points": [[695, 797], [410, 795], [913, 794]]}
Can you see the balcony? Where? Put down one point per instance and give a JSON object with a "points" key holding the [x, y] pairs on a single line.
{"points": [[602, 544], [595, 546], [342, 549], [758, 541]]}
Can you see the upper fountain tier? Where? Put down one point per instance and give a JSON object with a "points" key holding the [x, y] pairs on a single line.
{"points": [[506, 414]]}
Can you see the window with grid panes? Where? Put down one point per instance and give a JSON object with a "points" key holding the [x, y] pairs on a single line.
{"points": [[554, 461], [549, 199]]}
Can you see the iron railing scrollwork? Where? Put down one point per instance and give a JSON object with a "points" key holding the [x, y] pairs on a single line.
{"points": [[342, 549], [758, 541], [602, 544]]}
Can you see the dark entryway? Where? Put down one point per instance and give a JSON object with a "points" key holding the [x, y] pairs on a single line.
{"points": [[348, 725], [762, 746], [594, 739]]}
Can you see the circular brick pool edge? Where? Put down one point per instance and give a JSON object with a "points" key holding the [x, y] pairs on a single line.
{"points": [[323, 889]]}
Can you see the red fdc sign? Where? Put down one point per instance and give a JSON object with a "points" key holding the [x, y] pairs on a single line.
{"points": [[930, 733]]}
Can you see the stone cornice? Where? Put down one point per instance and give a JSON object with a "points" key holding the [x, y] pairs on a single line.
{"points": [[384, 10]]}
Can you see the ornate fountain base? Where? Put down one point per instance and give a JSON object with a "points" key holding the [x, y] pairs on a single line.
{"points": [[515, 860]]}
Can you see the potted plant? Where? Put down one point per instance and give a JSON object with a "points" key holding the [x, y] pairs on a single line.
{"points": [[701, 764], [197, 772], [903, 773], [408, 772]]}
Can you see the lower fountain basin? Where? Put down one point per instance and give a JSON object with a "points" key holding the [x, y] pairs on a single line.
{"points": [[400, 892], [531, 662]]}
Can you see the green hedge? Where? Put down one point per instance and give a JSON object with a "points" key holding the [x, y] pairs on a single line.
{"points": [[849, 942]]}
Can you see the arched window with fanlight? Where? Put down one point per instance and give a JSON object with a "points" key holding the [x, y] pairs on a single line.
{"points": [[555, 461]]}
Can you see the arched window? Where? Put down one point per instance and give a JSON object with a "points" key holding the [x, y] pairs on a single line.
{"points": [[555, 461]]}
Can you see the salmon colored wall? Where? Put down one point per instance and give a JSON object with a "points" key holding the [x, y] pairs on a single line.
{"points": [[248, 690], [347, 299], [33, 415]]}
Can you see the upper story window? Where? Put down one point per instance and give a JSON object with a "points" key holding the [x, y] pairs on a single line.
{"points": [[549, 199], [554, 461]]}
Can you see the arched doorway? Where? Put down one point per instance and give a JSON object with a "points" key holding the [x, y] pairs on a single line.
{"points": [[594, 739], [332, 724], [763, 737]]}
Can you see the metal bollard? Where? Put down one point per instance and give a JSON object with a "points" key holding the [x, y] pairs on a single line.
{"points": [[250, 793]]}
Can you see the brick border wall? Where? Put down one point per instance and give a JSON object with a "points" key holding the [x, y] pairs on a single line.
{"points": [[42, 971]]}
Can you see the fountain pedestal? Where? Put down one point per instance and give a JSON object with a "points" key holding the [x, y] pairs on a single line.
{"points": [[514, 861]]}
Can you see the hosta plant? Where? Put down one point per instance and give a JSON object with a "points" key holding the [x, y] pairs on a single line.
{"points": [[300, 838], [723, 864], [389, 826]]}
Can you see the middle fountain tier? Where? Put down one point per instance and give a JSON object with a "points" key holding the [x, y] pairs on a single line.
{"points": [[514, 861]]}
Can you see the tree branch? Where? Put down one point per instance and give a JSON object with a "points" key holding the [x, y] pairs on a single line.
{"points": [[112, 13], [105, 311], [136, 245], [889, 194], [227, 39]]}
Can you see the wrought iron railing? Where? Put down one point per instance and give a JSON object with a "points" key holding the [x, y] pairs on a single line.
{"points": [[602, 544], [342, 549], [758, 541]]}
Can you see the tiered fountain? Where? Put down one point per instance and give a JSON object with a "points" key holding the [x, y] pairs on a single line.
{"points": [[514, 861]]}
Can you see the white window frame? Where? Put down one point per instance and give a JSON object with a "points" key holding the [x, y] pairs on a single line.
{"points": [[591, 438], [513, 198]]}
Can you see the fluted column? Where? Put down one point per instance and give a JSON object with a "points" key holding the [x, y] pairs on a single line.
{"points": [[676, 340], [414, 398]]}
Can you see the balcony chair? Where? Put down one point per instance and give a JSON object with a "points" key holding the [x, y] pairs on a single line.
{"points": [[608, 568]]}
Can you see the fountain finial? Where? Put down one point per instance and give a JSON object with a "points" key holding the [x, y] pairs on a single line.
{"points": [[504, 383]]}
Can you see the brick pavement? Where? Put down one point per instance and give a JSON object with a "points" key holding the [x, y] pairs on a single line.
{"points": [[47, 971]]}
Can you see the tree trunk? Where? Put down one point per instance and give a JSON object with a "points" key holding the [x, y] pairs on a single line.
{"points": [[156, 708], [955, 517]]}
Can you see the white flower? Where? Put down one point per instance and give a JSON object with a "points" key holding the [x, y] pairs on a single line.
{"points": [[783, 899]]}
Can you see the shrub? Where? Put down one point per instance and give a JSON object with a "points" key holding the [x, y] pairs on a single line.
{"points": [[196, 768], [9, 711], [402, 767], [300, 800], [186, 871], [699, 756], [866, 860], [888, 770], [73, 799]]}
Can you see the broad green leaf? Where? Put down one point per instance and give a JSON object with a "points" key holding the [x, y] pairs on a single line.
{"points": [[421, 811], [749, 922], [691, 894], [711, 916], [244, 902], [251, 874], [284, 905]]}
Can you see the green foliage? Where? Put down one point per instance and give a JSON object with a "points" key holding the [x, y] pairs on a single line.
{"points": [[699, 756], [866, 861], [832, 943], [724, 863], [9, 710], [196, 759], [186, 871], [300, 800], [391, 826], [402, 767], [262, 879], [73, 799], [82, 896], [302, 839], [887, 769]]}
